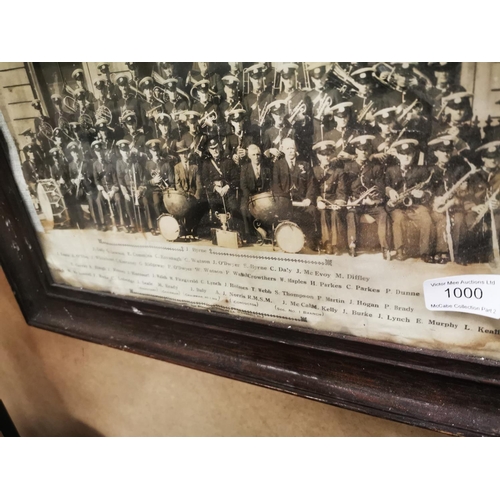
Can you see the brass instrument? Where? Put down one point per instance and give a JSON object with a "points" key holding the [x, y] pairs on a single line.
{"points": [[263, 114], [340, 79], [300, 108], [330, 205], [307, 78], [246, 82], [85, 121], [366, 109], [47, 131], [484, 209], [209, 116], [324, 103], [163, 184], [405, 198], [104, 113], [405, 112], [70, 104], [357, 202], [444, 202]]}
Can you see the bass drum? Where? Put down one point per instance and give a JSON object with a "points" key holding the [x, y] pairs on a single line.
{"points": [[270, 209], [169, 227], [289, 237], [177, 203], [52, 204]]}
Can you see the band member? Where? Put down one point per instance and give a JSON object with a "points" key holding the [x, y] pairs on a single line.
{"points": [[106, 135], [215, 85], [293, 178], [128, 100], [365, 193], [33, 168], [258, 98], [59, 171], [105, 103], [386, 131], [188, 182], [40, 123], [255, 177], [444, 85], [483, 202], [168, 70], [450, 188], [322, 98], [112, 91], [205, 104], [158, 175], [221, 182], [84, 106], [238, 141], [407, 188], [108, 191], [344, 131], [166, 135], [190, 132], [79, 78], [177, 100], [278, 132], [84, 189], [62, 118], [329, 176], [236, 71], [232, 100], [298, 108], [149, 106], [134, 135], [129, 173]]}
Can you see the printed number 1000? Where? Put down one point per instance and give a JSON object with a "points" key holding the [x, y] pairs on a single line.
{"points": [[467, 292]]}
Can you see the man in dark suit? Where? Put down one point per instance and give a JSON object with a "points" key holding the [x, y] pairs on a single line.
{"points": [[255, 177], [293, 178]]}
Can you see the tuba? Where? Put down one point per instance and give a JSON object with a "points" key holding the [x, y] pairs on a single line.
{"points": [[345, 84]]}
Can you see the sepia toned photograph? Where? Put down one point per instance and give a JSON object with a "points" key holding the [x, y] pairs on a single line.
{"points": [[324, 192]]}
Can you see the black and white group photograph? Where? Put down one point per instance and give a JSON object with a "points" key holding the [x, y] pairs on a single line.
{"points": [[387, 158]]}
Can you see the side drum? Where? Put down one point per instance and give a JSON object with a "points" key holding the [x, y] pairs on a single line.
{"points": [[270, 209], [52, 204], [289, 237], [169, 227], [177, 203]]}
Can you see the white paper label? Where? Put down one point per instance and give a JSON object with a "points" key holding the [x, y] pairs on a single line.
{"points": [[470, 293]]}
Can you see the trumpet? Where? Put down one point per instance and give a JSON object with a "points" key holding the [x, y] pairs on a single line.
{"points": [[163, 184], [299, 109], [209, 116], [160, 95]]}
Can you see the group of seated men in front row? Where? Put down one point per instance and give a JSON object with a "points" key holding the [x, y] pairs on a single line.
{"points": [[395, 168]]}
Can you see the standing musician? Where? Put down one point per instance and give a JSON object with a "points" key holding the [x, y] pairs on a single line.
{"points": [[444, 85], [298, 108], [129, 172], [106, 135], [188, 182], [112, 91], [158, 176], [190, 131], [258, 98], [278, 132], [215, 85], [84, 106], [255, 177], [208, 109], [407, 189], [128, 100], [79, 78], [108, 191], [177, 100], [149, 106], [232, 99], [39, 123], [239, 139], [293, 178], [84, 189], [321, 98], [135, 136], [450, 188], [344, 131], [105, 101], [386, 131], [166, 135], [60, 173], [483, 203], [365, 193], [61, 117], [33, 168], [221, 182], [330, 200], [236, 71]]}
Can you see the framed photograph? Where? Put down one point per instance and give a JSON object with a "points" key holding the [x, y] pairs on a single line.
{"points": [[326, 229]]}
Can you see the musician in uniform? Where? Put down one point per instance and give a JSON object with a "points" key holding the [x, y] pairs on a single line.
{"points": [[177, 100], [84, 106], [221, 182], [386, 131], [257, 99], [61, 117], [210, 124], [135, 136], [239, 139], [149, 106], [84, 190], [255, 177], [33, 168], [482, 204], [188, 182], [407, 189], [215, 85], [232, 100], [158, 175], [105, 134], [345, 129], [365, 192], [329, 177], [166, 135], [298, 109], [112, 91], [105, 101], [294, 178], [278, 132], [108, 191], [127, 100], [192, 135]]}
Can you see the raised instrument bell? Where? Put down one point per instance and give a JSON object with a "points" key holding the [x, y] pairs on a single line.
{"points": [[224, 218]]}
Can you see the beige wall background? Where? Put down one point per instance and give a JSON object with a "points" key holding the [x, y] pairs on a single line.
{"points": [[54, 385]]}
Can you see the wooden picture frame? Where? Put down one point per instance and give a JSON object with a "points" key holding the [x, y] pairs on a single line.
{"points": [[437, 390]]}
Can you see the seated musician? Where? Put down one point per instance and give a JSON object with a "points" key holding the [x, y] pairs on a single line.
{"points": [[329, 175], [108, 192], [449, 188], [83, 188], [255, 177], [280, 130], [129, 172], [191, 133], [293, 178], [238, 141], [407, 188], [483, 202], [344, 129], [365, 192], [386, 131], [188, 182], [221, 182], [158, 175]]}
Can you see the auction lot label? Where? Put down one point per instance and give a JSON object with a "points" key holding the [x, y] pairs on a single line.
{"points": [[470, 293]]}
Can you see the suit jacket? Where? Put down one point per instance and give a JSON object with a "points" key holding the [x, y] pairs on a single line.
{"points": [[188, 182], [249, 184], [298, 183]]}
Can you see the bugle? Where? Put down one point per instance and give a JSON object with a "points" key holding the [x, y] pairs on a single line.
{"points": [[357, 201]]}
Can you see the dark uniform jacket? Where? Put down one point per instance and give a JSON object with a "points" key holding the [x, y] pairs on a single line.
{"points": [[87, 184], [164, 168], [226, 173], [105, 175], [400, 182], [359, 178], [330, 182]]}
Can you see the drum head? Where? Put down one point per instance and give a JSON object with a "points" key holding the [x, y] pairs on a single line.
{"points": [[45, 205], [169, 227], [289, 237]]}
